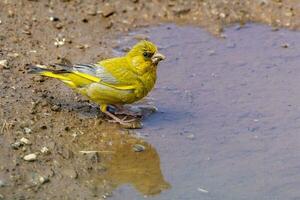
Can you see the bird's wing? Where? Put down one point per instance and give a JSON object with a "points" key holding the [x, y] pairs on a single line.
{"points": [[99, 74]]}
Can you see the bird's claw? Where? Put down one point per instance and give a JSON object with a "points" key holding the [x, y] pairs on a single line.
{"points": [[122, 121], [131, 123]]}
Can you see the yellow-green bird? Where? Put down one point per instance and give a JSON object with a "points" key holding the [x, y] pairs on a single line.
{"points": [[115, 81]]}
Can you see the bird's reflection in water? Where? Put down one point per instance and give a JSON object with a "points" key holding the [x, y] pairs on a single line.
{"points": [[121, 159]]}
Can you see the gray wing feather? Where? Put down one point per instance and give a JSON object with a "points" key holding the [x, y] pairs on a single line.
{"points": [[97, 71]]}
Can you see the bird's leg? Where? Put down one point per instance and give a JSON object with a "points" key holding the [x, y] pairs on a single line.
{"points": [[124, 122]]}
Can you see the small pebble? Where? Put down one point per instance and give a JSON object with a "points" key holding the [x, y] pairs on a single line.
{"points": [[43, 180], [54, 19], [55, 108], [80, 46], [138, 148], [59, 42], [2, 183], [190, 136], [202, 190], [27, 130], [16, 145], [25, 141], [45, 150], [38, 79], [285, 46], [107, 11], [3, 64], [30, 157], [59, 25], [222, 15]]}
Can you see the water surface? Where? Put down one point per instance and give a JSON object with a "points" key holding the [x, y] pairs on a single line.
{"points": [[228, 125]]}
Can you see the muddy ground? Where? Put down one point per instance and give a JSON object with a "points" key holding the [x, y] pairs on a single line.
{"points": [[78, 154]]}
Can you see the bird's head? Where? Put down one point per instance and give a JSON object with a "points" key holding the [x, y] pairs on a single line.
{"points": [[144, 54]]}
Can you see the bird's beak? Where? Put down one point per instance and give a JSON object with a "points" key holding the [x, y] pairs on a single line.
{"points": [[157, 57]]}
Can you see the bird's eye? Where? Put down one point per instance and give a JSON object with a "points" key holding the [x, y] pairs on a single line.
{"points": [[147, 54]]}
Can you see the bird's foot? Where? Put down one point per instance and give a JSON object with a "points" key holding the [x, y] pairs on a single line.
{"points": [[135, 110], [131, 123], [129, 113]]}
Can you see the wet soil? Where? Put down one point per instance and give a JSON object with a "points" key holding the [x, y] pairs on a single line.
{"points": [[227, 121]]}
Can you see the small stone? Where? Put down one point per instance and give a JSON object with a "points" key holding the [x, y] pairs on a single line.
{"points": [[39, 79], [27, 32], [80, 46], [44, 103], [59, 42], [285, 46], [138, 148], [107, 11], [1, 197], [30, 157], [11, 13], [107, 195], [3, 64], [27, 130], [25, 141], [222, 15], [16, 145], [2, 183], [190, 136], [45, 150], [43, 180], [59, 25], [202, 190], [55, 108], [54, 19]]}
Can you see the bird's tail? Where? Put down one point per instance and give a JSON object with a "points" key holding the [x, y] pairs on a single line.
{"points": [[66, 74], [60, 72], [50, 71]]}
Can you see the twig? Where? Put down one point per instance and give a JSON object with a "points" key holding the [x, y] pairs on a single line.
{"points": [[3, 127], [86, 152]]}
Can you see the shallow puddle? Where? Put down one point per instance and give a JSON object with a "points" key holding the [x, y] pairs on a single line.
{"points": [[228, 125]]}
